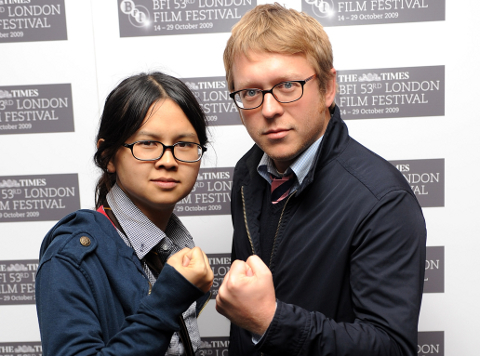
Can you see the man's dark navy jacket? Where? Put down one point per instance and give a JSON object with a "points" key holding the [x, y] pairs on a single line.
{"points": [[348, 259]]}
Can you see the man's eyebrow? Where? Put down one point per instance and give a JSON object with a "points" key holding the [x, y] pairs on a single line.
{"points": [[278, 80]]}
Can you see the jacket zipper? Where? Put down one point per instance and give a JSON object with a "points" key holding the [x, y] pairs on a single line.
{"points": [[205, 304], [246, 223], [276, 232], [278, 227]]}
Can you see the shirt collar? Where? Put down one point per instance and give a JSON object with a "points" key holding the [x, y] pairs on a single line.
{"points": [[143, 234], [300, 166]]}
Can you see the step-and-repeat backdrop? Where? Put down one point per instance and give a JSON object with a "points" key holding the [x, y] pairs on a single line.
{"points": [[407, 88]]}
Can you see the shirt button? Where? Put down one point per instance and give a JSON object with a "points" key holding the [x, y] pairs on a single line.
{"points": [[85, 241], [166, 245]]}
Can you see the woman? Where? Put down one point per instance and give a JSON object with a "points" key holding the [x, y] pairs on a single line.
{"points": [[124, 279]]}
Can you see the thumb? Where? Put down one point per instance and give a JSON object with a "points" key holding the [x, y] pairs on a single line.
{"points": [[248, 270], [186, 259], [256, 266], [194, 255]]}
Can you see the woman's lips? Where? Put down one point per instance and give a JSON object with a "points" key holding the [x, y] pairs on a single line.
{"points": [[166, 183]]}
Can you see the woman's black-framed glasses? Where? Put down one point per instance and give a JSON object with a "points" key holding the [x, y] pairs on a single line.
{"points": [[284, 92], [188, 152]]}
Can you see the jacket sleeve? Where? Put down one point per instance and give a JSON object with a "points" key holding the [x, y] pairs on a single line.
{"points": [[387, 266], [70, 320]]}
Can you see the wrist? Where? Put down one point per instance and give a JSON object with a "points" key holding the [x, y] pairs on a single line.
{"points": [[265, 322]]}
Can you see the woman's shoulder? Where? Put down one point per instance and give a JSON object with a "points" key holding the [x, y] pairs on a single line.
{"points": [[77, 234]]}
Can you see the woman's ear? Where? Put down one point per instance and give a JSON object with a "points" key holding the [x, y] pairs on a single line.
{"points": [[110, 165]]}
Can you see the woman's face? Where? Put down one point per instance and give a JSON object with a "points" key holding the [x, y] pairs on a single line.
{"points": [[156, 186]]}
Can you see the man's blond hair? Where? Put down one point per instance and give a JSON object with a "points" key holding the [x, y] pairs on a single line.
{"points": [[273, 28]]}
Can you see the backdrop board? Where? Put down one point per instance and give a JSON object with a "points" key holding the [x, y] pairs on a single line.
{"points": [[407, 89]]}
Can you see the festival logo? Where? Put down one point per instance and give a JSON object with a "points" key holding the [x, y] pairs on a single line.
{"points": [[434, 281], [38, 198], [210, 195], [431, 343], [17, 282], [214, 346], [220, 264], [32, 20], [36, 109], [426, 178], [21, 348], [173, 17], [213, 95], [364, 12], [391, 92]]}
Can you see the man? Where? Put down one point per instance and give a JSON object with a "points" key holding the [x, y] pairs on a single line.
{"points": [[333, 264]]}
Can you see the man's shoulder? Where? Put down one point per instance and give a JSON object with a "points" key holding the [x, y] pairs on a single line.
{"points": [[371, 170]]}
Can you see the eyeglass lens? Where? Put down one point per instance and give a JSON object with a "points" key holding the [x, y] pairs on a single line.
{"points": [[283, 92], [152, 150]]}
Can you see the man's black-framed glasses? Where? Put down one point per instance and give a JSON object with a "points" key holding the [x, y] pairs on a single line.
{"points": [[188, 152], [284, 92]]}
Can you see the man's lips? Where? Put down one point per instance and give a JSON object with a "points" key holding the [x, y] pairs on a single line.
{"points": [[276, 134]]}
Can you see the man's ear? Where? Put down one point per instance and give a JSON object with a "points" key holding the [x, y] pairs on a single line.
{"points": [[331, 89], [110, 165]]}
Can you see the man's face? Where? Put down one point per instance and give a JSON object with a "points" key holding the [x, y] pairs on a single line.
{"points": [[282, 131]]}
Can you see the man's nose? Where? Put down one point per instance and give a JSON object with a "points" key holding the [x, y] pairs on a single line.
{"points": [[271, 107]]}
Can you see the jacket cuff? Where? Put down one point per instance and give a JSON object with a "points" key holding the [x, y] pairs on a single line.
{"points": [[171, 295], [287, 331]]}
